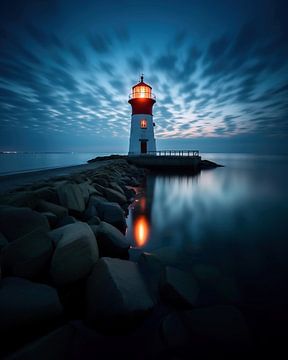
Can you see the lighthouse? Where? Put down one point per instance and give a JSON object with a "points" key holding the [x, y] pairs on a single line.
{"points": [[142, 138]]}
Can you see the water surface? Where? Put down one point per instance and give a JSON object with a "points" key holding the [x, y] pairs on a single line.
{"points": [[229, 223]]}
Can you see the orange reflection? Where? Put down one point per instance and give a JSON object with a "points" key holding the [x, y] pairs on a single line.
{"points": [[141, 231]]}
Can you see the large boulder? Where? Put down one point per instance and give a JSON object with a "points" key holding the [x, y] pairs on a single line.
{"points": [[113, 214], [206, 331], [87, 190], [75, 254], [46, 206], [116, 293], [115, 196], [57, 345], [20, 199], [179, 287], [28, 256], [67, 220], [93, 206], [116, 187], [16, 222], [26, 306], [47, 193], [153, 272], [111, 241], [71, 197]]}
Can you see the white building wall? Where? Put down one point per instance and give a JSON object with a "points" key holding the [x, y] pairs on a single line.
{"points": [[136, 134]]}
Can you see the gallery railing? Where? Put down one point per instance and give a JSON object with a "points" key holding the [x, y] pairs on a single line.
{"points": [[190, 153]]}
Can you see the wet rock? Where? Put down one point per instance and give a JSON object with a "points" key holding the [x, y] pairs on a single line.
{"points": [[116, 293], [179, 288], [75, 254], [16, 222], [67, 220], [70, 196], [129, 193], [115, 196], [211, 330], [26, 306], [101, 181], [111, 241], [57, 345], [28, 256], [59, 211]]}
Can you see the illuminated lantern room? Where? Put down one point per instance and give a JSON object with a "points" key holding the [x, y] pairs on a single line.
{"points": [[141, 90]]}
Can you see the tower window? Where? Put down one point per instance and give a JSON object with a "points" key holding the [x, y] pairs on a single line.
{"points": [[143, 124]]}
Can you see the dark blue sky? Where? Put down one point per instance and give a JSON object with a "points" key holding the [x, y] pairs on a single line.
{"points": [[219, 70]]}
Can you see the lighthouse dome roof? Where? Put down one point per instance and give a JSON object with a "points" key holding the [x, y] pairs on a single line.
{"points": [[141, 83]]}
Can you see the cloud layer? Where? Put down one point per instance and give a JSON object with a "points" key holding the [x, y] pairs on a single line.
{"points": [[57, 81]]}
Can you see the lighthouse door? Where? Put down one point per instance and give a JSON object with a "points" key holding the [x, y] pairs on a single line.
{"points": [[143, 144]]}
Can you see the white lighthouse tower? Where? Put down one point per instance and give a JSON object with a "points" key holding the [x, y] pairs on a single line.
{"points": [[142, 138]]}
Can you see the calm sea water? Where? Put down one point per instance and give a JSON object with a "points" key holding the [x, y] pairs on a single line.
{"points": [[228, 224], [20, 162]]}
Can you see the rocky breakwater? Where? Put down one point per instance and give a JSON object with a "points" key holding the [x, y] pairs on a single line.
{"points": [[61, 242]]}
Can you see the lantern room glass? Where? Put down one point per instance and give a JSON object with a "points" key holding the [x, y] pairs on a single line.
{"points": [[141, 91]]}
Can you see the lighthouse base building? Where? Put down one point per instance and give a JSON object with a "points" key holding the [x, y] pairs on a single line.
{"points": [[142, 140]]}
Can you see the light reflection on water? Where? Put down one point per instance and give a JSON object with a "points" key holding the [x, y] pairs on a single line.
{"points": [[232, 217]]}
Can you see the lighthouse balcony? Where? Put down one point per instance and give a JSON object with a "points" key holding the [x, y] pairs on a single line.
{"points": [[142, 95]]}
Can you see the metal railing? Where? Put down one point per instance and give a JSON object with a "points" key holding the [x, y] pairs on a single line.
{"points": [[189, 153]]}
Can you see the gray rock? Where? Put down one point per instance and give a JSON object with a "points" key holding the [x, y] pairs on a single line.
{"points": [[213, 330], [93, 205], [57, 345], [87, 190], [116, 290], [59, 211], [115, 196], [47, 193], [52, 218], [27, 306], [20, 199], [111, 241], [16, 222], [75, 254], [99, 188], [70, 196], [116, 187], [153, 272], [112, 214], [28, 256], [179, 287], [95, 220]]}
